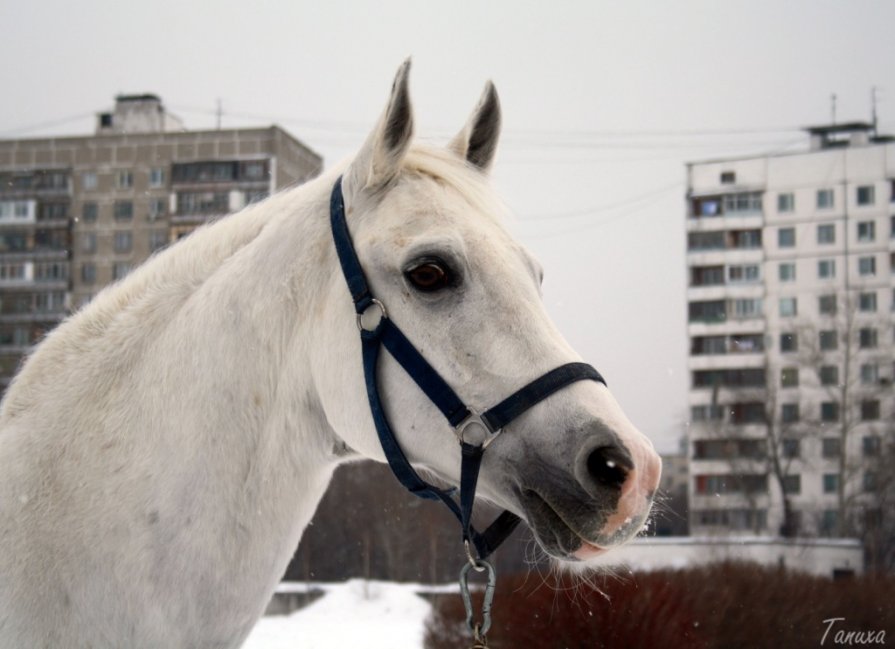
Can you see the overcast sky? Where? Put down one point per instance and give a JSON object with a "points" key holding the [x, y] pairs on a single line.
{"points": [[604, 103]]}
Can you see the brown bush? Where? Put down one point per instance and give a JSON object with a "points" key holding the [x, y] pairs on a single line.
{"points": [[724, 606]]}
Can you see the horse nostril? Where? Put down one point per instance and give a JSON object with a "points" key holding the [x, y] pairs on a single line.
{"points": [[609, 466]]}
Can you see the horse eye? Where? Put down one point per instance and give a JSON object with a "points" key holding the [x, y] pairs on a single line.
{"points": [[430, 276]]}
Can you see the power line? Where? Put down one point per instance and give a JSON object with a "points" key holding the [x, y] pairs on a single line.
{"points": [[49, 124], [590, 211], [636, 209]]}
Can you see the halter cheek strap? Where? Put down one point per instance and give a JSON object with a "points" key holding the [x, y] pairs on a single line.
{"points": [[387, 334]]}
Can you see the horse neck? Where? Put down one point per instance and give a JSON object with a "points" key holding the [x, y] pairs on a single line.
{"points": [[251, 322]]}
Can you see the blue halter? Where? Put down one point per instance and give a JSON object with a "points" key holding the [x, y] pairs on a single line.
{"points": [[387, 334]]}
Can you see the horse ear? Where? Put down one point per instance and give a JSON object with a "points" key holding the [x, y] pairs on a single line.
{"points": [[477, 141], [380, 157]]}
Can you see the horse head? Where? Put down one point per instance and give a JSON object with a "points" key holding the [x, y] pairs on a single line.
{"points": [[427, 228]]}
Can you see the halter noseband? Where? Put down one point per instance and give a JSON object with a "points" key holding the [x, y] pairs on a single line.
{"points": [[461, 417]]}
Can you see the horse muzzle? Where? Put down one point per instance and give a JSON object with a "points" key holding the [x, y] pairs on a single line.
{"points": [[601, 503]]}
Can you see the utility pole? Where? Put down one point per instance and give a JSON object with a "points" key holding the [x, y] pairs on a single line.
{"points": [[873, 102], [220, 113], [833, 108]]}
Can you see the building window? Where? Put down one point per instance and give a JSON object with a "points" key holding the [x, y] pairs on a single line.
{"points": [[867, 266], [826, 304], [829, 522], [88, 242], [12, 272], [789, 342], [88, 273], [786, 202], [707, 276], [124, 210], [124, 241], [829, 340], [786, 237], [743, 274], [826, 269], [49, 302], [829, 375], [747, 308], [728, 177], [789, 377], [829, 411], [88, 181], [869, 373], [826, 233], [89, 212], [868, 338], [787, 272], [792, 484], [256, 170], [789, 413], [866, 231], [120, 269], [831, 447], [865, 195], [158, 239], [706, 413], [51, 271], [744, 239], [831, 482], [51, 211], [870, 410], [870, 481], [713, 311], [706, 241], [156, 177], [789, 307], [790, 447], [871, 445], [867, 302], [203, 203], [742, 203], [746, 343], [157, 208], [825, 199], [125, 179]]}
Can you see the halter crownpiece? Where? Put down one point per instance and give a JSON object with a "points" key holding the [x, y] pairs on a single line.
{"points": [[385, 333]]}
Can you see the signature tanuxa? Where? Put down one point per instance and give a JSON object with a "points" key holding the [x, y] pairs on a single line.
{"points": [[841, 637]]}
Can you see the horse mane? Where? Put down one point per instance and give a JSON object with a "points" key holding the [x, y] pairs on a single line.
{"points": [[163, 283], [157, 288]]}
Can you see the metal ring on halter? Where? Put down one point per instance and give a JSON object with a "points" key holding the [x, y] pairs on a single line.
{"points": [[382, 315], [475, 419]]}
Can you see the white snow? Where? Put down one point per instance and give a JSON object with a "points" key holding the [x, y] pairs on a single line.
{"points": [[357, 613]]}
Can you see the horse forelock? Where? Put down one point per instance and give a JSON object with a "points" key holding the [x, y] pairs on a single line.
{"points": [[463, 178]]}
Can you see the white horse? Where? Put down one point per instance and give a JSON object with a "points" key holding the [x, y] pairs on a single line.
{"points": [[162, 450]]}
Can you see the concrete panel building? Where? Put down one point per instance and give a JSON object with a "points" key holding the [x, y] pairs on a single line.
{"points": [[790, 304], [77, 213]]}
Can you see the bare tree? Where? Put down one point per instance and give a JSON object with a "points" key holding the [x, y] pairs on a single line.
{"points": [[762, 456], [848, 395]]}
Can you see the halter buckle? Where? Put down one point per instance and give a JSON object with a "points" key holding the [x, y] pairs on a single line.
{"points": [[382, 316], [475, 419]]}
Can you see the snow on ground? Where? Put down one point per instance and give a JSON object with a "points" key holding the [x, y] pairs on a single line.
{"points": [[357, 613]]}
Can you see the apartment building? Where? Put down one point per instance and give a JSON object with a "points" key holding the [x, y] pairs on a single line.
{"points": [[790, 264], [77, 213]]}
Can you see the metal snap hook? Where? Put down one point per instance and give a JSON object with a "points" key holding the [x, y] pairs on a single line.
{"points": [[478, 629]]}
